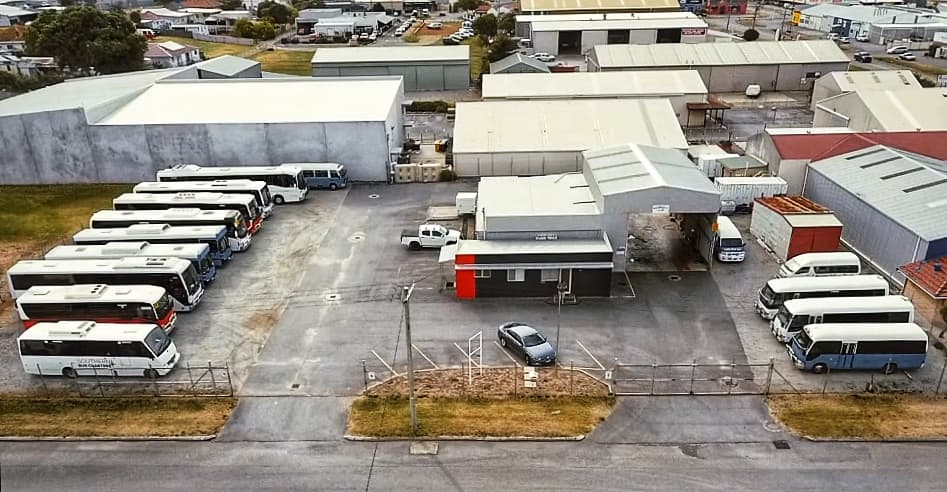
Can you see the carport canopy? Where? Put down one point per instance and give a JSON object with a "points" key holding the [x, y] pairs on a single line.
{"points": [[632, 178]]}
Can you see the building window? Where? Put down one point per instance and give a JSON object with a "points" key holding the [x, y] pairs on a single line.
{"points": [[516, 275], [481, 273], [549, 275]]}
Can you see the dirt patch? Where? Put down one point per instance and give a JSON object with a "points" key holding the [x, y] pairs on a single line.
{"points": [[121, 417], [866, 416], [495, 383]]}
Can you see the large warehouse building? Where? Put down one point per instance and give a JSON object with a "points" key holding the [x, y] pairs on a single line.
{"points": [[565, 35], [424, 68], [678, 86], [893, 204], [522, 138], [123, 128], [835, 83], [904, 110], [541, 7], [730, 67]]}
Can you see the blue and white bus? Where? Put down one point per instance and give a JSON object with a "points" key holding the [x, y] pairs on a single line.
{"points": [[860, 346], [198, 254], [327, 175], [213, 236]]}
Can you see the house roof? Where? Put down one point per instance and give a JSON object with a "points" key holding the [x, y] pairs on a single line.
{"points": [[716, 54], [597, 5], [523, 247], [593, 84], [8, 11], [923, 275], [517, 59], [167, 49], [817, 146], [16, 32], [909, 189], [201, 4], [163, 12]]}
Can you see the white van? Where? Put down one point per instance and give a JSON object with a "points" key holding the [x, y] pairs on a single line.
{"points": [[728, 243], [820, 265]]}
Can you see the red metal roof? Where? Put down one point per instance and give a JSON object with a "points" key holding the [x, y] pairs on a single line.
{"points": [[922, 273], [792, 205], [201, 4], [822, 146]]}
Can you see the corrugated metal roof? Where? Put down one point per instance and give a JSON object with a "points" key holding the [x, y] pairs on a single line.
{"points": [[497, 67], [392, 54], [630, 167], [875, 79], [817, 146], [631, 23], [592, 84], [562, 246], [703, 54], [792, 205], [858, 13], [227, 65], [900, 110], [597, 5], [564, 125], [910, 189], [553, 195]]}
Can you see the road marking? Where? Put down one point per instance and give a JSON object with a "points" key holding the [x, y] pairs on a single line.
{"points": [[504, 352], [392, 371], [429, 361], [599, 364]]}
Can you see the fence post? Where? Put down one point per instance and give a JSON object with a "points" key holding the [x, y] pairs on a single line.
{"points": [[941, 378], [693, 375], [571, 378], [42, 379], [213, 380], [654, 370], [95, 372], [825, 381], [769, 377], [154, 380], [364, 375], [229, 380], [733, 365], [514, 380]]}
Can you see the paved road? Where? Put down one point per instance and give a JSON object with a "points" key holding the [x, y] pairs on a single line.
{"points": [[468, 466]]}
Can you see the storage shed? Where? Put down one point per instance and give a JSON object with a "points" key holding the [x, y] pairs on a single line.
{"points": [[730, 67], [424, 68], [518, 63], [528, 138], [792, 225], [893, 204]]}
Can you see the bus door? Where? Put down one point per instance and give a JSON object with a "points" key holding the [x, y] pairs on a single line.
{"points": [[846, 356]]}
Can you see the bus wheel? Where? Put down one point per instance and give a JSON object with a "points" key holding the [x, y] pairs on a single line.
{"points": [[278, 200], [333, 186], [820, 368], [69, 372], [151, 373], [889, 368]]}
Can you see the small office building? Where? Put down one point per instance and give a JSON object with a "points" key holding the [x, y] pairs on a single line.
{"points": [[575, 37], [424, 68]]}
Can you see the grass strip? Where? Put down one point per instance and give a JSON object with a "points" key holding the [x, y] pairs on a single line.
{"points": [[866, 416], [286, 61], [119, 417], [38, 212], [509, 417]]}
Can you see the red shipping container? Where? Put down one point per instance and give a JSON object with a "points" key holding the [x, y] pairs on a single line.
{"points": [[793, 225]]}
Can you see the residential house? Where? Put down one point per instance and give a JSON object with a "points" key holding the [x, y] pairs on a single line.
{"points": [[27, 66], [15, 15], [171, 54], [170, 16], [926, 286], [13, 40], [200, 4]]}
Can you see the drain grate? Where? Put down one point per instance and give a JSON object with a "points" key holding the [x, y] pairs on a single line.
{"points": [[781, 444], [674, 278], [295, 386], [374, 196], [332, 297]]}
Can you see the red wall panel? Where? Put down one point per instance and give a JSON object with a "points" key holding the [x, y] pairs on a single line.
{"points": [[814, 240], [466, 283]]}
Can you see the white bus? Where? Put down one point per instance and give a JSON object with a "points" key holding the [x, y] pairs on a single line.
{"points": [[796, 313], [258, 189], [198, 254], [213, 236], [99, 303], [286, 183], [87, 348], [820, 265], [175, 275], [864, 346], [237, 228], [245, 204], [779, 290]]}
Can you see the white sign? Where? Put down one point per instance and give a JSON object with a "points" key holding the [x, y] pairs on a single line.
{"points": [[942, 81], [661, 209], [608, 374], [547, 236]]}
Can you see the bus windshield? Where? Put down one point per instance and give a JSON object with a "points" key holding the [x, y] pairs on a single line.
{"points": [[731, 243], [158, 341], [767, 294], [191, 279], [783, 316], [206, 263], [301, 181], [162, 306], [267, 199], [803, 340], [241, 226]]}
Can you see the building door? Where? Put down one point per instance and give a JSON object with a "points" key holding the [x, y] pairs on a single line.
{"points": [[570, 42], [620, 36], [669, 36]]}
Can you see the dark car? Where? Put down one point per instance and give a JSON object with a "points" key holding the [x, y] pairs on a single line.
{"points": [[863, 57], [528, 343]]}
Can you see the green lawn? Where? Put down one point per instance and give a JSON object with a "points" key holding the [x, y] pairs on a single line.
{"points": [[210, 50], [286, 61], [37, 213]]}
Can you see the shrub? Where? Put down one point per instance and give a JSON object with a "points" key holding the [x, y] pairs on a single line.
{"points": [[751, 35], [410, 38], [428, 107]]}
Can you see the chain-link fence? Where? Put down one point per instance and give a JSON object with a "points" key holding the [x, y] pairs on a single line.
{"points": [[208, 379]]}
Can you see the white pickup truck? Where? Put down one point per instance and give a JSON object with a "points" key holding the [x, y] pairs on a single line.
{"points": [[429, 236]]}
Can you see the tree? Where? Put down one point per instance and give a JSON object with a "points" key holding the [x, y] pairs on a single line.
{"points": [[378, 7], [467, 4], [507, 23], [231, 4], [245, 28], [501, 47], [67, 3], [84, 39], [751, 35], [281, 14], [486, 25], [135, 16], [308, 4]]}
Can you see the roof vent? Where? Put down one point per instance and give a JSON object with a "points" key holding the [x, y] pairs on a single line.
{"points": [[938, 267]]}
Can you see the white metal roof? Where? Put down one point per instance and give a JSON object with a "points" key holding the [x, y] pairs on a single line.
{"points": [[87, 330], [812, 220], [858, 13], [297, 100], [875, 79], [392, 54], [844, 304], [86, 292], [628, 168], [553, 195], [630, 23], [707, 54], [596, 5], [502, 64], [592, 84], [564, 125], [796, 284], [902, 109], [227, 64], [909, 189], [562, 246], [864, 332]]}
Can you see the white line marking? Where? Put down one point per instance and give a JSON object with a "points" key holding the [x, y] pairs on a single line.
{"points": [[504, 352], [392, 371], [599, 364], [429, 361]]}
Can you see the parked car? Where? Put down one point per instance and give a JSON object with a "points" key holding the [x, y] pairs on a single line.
{"points": [[436, 25], [863, 57], [450, 40], [429, 236], [844, 40], [543, 57], [896, 50], [907, 56], [862, 38], [753, 91], [528, 343]]}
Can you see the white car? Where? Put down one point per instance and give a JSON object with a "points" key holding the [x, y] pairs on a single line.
{"points": [[862, 38], [897, 50], [544, 57], [907, 56]]}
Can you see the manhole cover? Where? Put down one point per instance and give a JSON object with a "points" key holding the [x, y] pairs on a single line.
{"points": [[781, 444], [332, 297], [374, 196], [358, 236], [674, 278], [295, 386]]}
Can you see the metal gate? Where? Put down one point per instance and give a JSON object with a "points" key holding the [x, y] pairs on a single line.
{"points": [[733, 378]]}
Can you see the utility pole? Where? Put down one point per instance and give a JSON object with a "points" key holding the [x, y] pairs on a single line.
{"points": [[412, 401], [756, 12], [560, 289]]}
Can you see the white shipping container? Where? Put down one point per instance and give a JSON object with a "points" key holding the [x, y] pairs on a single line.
{"points": [[466, 203], [772, 229], [708, 164], [742, 191]]}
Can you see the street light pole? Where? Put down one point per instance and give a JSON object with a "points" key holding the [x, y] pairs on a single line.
{"points": [[560, 289], [412, 401]]}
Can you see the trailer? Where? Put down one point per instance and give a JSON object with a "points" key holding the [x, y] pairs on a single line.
{"points": [[738, 193]]}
